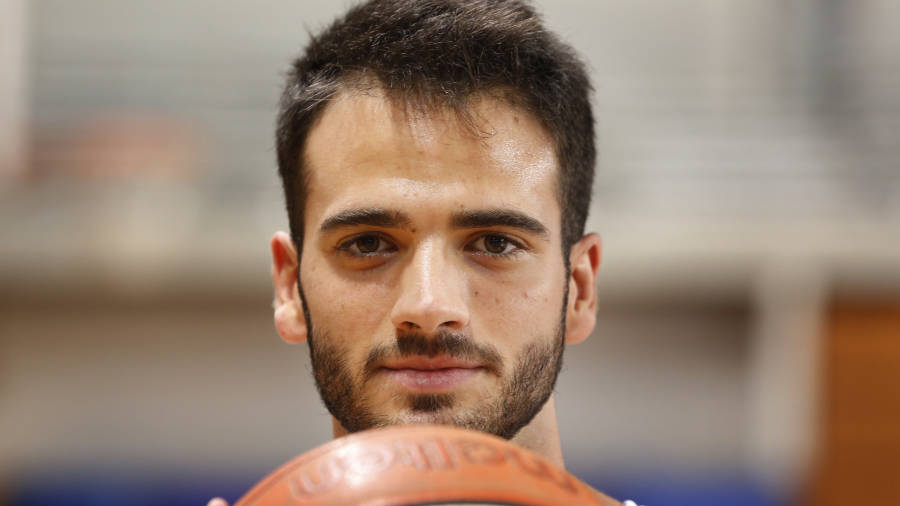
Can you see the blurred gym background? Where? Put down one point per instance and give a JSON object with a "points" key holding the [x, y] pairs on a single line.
{"points": [[748, 191]]}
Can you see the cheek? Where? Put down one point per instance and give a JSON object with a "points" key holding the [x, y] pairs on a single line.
{"points": [[350, 312], [518, 310]]}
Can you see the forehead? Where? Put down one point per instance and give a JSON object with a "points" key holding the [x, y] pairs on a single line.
{"points": [[366, 150]]}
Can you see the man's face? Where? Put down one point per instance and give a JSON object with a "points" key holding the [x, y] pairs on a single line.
{"points": [[431, 270]]}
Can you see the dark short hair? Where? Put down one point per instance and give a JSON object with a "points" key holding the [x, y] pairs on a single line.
{"points": [[442, 53]]}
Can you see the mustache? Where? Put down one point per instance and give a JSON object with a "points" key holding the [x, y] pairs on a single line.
{"points": [[451, 344]]}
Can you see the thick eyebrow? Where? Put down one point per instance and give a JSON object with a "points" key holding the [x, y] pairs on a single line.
{"points": [[499, 218], [373, 217]]}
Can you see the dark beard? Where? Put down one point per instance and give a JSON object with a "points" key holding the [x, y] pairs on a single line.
{"points": [[522, 395]]}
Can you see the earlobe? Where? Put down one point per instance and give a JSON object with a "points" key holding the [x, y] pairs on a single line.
{"points": [[290, 324], [289, 319], [581, 313]]}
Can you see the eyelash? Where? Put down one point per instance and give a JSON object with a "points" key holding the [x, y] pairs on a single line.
{"points": [[517, 247], [346, 246]]}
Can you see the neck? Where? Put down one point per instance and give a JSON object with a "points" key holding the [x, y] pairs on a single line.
{"points": [[540, 436]]}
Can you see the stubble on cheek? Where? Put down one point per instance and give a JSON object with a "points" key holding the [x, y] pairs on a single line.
{"points": [[354, 399], [337, 387]]}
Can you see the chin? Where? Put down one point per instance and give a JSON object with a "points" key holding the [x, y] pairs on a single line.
{"points": [[442, 416]]}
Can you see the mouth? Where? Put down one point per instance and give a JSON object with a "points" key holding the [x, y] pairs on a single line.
{"points": [[431, 374]]}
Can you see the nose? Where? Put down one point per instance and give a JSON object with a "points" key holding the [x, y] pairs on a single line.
{"points": [[431, 293]]}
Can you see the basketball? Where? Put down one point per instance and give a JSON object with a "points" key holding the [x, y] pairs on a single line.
{"points": [[420, 464]]}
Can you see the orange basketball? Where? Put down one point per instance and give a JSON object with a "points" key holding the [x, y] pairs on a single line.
{"points": [[420, 464]]}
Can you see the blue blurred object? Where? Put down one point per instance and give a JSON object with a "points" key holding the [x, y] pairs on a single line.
{"points": [[661, 490], [96, 490]]}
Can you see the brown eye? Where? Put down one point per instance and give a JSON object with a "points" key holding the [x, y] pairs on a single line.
{"points": [[367, 244], [495, 244]]}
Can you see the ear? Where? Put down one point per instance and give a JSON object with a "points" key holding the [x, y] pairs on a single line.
{"points": [[581, 312], [289, 319]]}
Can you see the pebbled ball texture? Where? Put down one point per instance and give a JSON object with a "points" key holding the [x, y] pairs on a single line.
{"points": [[420, 464]]}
